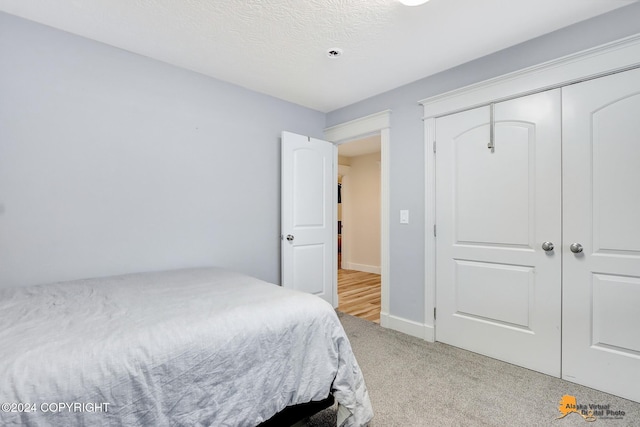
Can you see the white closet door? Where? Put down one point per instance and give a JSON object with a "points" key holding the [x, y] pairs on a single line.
{"points": [[498, 292], [601, 284]]}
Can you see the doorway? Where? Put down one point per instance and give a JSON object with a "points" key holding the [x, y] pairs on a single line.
{"points": [[359, 228], [374, 124]]}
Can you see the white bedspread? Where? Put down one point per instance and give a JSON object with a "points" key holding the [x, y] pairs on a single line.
{"points": [[196, 347]]}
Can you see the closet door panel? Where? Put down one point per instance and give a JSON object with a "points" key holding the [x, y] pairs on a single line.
{"points": [[601, 284], [498, 292], [616, 165], [481, 215]]}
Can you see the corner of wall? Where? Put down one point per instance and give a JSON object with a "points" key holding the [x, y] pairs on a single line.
{"points": [[409, 327]]}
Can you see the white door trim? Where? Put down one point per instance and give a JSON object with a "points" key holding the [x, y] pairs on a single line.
{"points": [[344, 170], [588, 64], [612, 57], [356, 129], [430, 229]]}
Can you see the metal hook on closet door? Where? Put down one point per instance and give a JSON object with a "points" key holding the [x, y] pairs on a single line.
{"points": [[492, 124]]}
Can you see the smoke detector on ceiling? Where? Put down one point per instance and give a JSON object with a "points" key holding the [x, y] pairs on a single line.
{"points": [[334, 52]]}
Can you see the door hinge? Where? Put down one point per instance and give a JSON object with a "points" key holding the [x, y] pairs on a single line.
{"points": [[492, 129], [434, 313], [434, 146], [434, 230]]}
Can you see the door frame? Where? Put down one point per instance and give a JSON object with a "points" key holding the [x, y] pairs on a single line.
{"points": [[344, 171], [373, 124], [609, 58]]}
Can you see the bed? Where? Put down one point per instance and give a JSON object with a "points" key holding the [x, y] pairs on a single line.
{"points": [[193, 347]]}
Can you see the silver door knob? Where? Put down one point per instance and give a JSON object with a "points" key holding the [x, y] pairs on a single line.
{"points": [[290, 237], [576, 248], [547, 246]]}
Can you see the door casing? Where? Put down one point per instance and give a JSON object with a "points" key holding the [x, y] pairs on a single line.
{"points": [[357, 129]]}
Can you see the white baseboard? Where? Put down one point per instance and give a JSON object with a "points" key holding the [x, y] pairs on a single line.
{"points": [[429, 333], [409, 327], [361, 267]]}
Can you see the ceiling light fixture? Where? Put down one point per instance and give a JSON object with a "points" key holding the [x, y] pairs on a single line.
{"points": [[413, 2]]}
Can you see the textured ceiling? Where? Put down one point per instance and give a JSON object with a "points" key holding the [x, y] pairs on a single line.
{"points": [[278, 47]]}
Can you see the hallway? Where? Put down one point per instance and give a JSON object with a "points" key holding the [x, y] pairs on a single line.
{"points": [[359, 294]]}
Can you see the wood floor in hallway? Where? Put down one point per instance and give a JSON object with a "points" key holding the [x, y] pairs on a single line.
{"points": [[359, 294]]}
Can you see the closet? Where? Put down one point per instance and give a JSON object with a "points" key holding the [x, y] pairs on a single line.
{"points": [[538, 244]]}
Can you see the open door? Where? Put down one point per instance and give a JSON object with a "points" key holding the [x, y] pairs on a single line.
{"points": [[309, 196]]}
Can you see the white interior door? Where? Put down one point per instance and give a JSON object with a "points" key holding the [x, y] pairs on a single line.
{"points": [[309, 197], [498, 291], [601, 317]]}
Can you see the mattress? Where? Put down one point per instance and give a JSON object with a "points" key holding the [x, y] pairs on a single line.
{"points": [[194, 347]]}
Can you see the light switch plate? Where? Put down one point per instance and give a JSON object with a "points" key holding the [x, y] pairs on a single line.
{"points": [[404, 217]]}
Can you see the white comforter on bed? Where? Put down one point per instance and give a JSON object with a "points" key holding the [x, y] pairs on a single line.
{"points": [[195, 347]]}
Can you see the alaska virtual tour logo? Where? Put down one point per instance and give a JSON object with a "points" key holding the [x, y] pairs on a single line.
{"points": [[590, 412]]}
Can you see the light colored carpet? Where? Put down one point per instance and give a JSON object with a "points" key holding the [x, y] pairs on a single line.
{"points": [[415, 383]]}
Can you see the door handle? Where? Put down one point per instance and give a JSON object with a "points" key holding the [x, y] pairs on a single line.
{"points": [[576, 248], [290, 237], [547, 246]]}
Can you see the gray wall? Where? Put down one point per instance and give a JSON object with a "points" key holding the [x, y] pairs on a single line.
{"points": [[111, 163], [407, 137]]}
